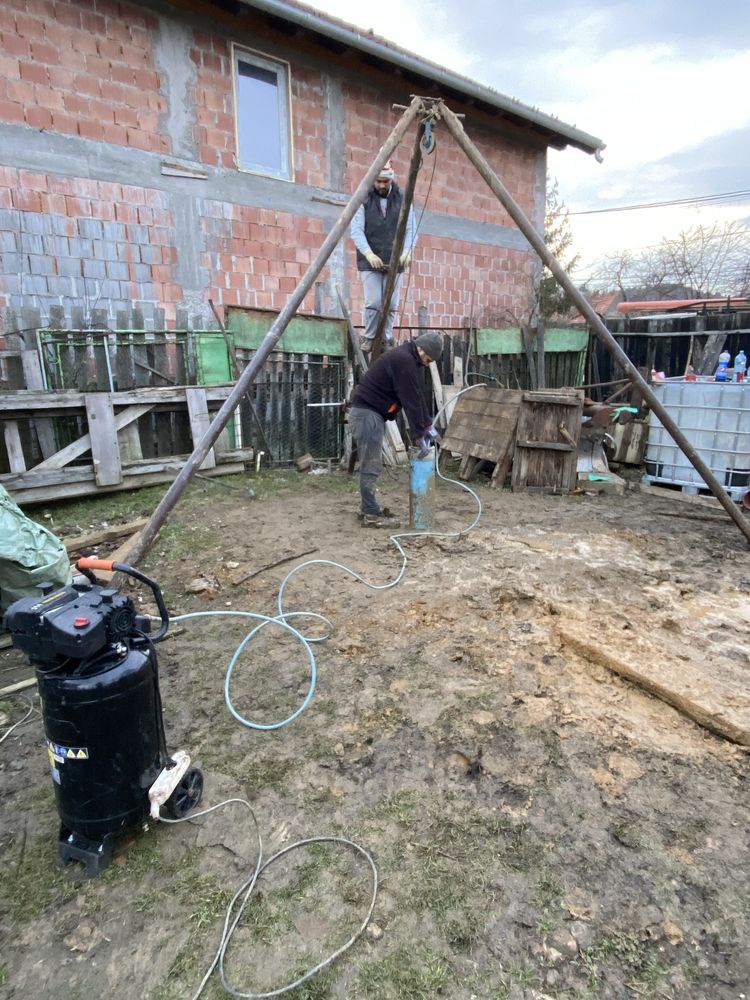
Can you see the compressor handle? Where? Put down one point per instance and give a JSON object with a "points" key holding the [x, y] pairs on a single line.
{"points": [[89, 563]]}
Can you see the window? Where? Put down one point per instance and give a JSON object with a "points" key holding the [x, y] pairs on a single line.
{"points": [[263, 116]]}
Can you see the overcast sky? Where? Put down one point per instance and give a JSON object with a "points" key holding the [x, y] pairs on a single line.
{"points": [[664, 83]]}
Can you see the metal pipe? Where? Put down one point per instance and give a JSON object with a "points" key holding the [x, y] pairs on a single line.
{"points": [[270, 340], [537, 242]]}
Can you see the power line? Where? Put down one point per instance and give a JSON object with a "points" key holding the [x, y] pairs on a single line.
{"points": [[664, 204]]}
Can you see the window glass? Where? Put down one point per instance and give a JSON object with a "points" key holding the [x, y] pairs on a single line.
{"points": [[262, 114]]}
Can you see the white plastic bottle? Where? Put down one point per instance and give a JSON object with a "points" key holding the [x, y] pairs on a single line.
{"points": [[740, 366]]}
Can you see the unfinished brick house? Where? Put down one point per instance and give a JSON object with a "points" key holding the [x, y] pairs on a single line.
{"points": [[157, 155]]}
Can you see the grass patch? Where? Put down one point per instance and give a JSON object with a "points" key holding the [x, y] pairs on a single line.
{"points": [[517, 977], [416, 973], [402, 807], [638, 961], [33, 884], [69, 515]]}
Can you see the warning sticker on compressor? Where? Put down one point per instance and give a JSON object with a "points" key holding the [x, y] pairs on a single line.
{"points": [[60, 754]]}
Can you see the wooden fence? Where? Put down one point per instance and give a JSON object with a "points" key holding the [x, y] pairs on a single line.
{"points": [[111, 439]]}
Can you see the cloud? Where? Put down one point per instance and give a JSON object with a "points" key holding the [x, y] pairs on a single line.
{"points": [[662, 82]]}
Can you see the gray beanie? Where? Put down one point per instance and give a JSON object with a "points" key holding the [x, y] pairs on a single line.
{"points": [[431, 344]]}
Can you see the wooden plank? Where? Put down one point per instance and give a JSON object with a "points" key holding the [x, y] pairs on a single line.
{"points": [[120, 555], [13, 446], [716, 699], [665, 494], [545, 445], [129, 443], [103, 435], [26, 402], [84, 484], [554, 397], [437, 388], [77, 543], [83, 444], [34, 379], [199, 420]]}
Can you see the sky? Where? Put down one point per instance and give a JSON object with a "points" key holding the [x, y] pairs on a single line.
{"points": [[664, 83]]}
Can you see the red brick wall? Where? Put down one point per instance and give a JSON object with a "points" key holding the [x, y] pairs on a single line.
{"points": [[81, 69], [256, 257], [89, 69]]}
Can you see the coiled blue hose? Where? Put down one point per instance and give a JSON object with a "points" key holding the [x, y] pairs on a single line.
{"points": [[282, 618]]}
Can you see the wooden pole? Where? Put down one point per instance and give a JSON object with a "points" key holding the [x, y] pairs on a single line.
{"points": [[270, 340], [398, 245], [456, 129]]}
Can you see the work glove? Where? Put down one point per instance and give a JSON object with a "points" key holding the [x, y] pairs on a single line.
{"points": [[424, 443], [373, 260], [405, 258]]}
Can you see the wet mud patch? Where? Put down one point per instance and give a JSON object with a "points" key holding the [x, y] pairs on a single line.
{"points": [[542, 827]]}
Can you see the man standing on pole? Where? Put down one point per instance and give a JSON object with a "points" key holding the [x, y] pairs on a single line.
{"points": [[373, 230]]}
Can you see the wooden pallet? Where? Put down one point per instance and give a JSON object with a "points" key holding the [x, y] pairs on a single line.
{"points": [[483, 428]]}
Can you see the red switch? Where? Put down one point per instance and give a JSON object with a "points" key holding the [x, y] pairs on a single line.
{"points": [[81, 622]]}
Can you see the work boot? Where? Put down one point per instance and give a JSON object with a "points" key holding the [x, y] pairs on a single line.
{"points": [[385, 512], [379, 521]]}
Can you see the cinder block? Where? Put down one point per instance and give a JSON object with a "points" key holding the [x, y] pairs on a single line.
{"points": [[69, 266], [61, 285], [94, 269], [90, 228], [81, 248], [117, 270], [39, 263], [105, 250], [137, 233], [141, 272], [149, 254], [114, 231]]}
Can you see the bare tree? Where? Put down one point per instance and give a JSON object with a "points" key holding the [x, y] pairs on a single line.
{"points": [[703, 261]]}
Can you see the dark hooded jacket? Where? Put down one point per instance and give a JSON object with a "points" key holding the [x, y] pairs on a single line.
{"points": [[394, 381]]}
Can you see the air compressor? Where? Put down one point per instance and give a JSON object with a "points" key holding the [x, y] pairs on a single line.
{"points": [[98, 680]]}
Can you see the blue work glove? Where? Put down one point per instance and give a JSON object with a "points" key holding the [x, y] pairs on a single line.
{"points": [[431, 435]]}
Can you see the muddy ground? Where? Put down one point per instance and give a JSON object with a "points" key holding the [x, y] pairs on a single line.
{"points": [[541, 827]]}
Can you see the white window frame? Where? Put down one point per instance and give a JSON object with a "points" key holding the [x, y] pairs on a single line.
{"points": [[283, 73]]}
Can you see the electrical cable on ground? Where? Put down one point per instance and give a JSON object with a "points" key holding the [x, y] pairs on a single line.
{"points": [[245, 891], [20, 721], [243, 894]]}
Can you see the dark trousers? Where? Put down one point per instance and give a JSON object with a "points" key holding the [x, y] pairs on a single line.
{"points": [[368, 429]]}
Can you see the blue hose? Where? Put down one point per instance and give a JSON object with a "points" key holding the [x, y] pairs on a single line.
{"points": [[281, 619]]}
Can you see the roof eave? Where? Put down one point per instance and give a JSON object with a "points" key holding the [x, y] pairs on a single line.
{"points": [[557, 134]]}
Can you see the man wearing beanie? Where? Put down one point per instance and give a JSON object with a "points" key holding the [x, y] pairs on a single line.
{"points": [[373, 230], [393, 382]]}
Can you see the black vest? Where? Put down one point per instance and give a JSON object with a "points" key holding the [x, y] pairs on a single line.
{"points": [[380, 230]]}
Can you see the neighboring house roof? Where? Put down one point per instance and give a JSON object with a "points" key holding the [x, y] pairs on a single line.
{"points": [[697, 305], [340, 35], [604, 304]]}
